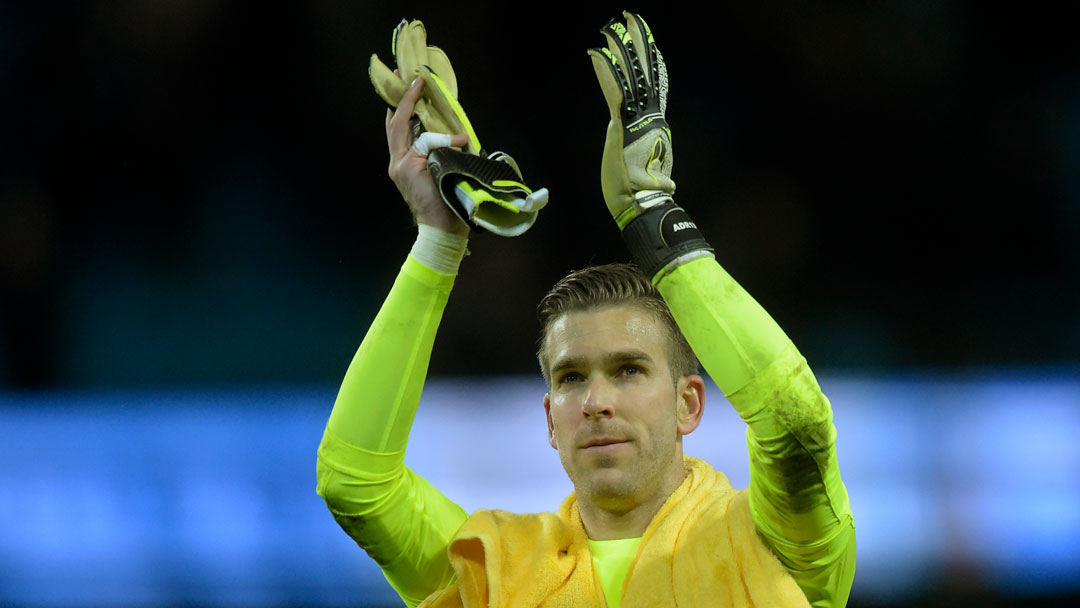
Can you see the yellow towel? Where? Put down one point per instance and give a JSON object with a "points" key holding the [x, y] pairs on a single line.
{"points": [[701, 549]]}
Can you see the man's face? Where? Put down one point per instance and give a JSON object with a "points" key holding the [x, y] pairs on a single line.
{"points": [[614, 412]]}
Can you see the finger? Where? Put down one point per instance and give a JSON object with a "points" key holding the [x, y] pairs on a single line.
{"points": [[644, 45], [620, 53], [621, 45], [386, 84], [430, 141], [389, 139], [440, 64], [459, 140], [408, 100], [618, 40], [398, 132], [612, 81], [411, 48]]}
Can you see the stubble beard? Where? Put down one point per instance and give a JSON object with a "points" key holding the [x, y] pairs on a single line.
{"points": [[616, 484]]}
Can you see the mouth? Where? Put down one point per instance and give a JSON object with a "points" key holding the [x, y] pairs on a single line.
{"points": [[603, 444]]}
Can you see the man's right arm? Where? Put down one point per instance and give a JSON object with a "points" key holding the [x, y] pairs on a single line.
{"points": [[403, 522]]}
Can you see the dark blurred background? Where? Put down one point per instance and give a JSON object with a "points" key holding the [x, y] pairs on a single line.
{"points": [[194, 193]]}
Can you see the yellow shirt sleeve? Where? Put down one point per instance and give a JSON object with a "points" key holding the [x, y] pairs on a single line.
{"points": [[401, 520], [798, 501]]}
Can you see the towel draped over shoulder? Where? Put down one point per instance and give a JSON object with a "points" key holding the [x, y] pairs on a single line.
{"points": [[701, 549]]}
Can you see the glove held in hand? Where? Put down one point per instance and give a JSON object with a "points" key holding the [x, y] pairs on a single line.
{"points": [[488, 192], [484, 190]]}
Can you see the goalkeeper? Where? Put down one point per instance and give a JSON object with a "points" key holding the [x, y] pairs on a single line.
{"points": [[646, 525]]}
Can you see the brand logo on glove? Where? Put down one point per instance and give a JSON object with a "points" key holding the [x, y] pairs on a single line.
{"points": [[676, 228], [641, 125]]}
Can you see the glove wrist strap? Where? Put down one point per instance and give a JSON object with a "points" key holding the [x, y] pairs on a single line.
{"points": [[663, 237]]}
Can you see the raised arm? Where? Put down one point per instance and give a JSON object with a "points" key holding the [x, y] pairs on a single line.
{"points": [[797, 499], [446, 179], [798, 502], [403, 522]]}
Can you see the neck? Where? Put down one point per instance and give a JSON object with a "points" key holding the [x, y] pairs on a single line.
{"points": [[604, 520]]}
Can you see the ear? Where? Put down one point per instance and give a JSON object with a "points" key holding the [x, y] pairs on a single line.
{"points": [[551, 426], [691, 404]]}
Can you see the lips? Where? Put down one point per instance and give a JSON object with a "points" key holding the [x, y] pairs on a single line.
{"points": [[602, 441]]}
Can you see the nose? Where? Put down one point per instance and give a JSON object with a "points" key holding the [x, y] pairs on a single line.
{"points": [[599, 399]]}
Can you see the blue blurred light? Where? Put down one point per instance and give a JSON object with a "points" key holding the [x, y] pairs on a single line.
{"points": [[207, 497]]}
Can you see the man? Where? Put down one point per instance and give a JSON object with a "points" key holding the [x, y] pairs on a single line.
{"points": [[646, 525]]}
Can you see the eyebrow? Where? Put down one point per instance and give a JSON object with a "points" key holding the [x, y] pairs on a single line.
{"points": [[619, 356]]}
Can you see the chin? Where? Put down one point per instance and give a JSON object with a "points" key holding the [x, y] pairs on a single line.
{"points": [[609, 485]]}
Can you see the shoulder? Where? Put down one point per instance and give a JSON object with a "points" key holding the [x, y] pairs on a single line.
{"points": [[709, 494], [499, 526]]}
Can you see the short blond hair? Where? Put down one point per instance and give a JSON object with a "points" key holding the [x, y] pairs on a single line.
{"points": [[606, 285]]}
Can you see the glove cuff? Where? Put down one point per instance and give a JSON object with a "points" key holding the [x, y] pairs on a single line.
{"points": [[662, 238]]}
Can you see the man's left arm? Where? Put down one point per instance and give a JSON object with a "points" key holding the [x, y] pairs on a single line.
{"points": [[798, 501], [797, 498]]}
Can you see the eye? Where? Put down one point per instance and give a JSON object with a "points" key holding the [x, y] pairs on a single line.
{"points": [[569, 377], [631, 370]]}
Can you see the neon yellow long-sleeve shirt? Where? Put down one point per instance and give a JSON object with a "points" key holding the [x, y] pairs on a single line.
{"points": [[798, 501]]}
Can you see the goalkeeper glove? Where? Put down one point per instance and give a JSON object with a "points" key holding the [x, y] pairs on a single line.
{"points": [[635, 173], [486, 189]]}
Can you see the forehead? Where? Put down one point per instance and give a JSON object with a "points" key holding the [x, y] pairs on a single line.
{"points": [[613, 328]]}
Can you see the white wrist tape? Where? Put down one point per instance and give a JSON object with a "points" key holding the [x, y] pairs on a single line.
{"points": [[439, 250]]}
